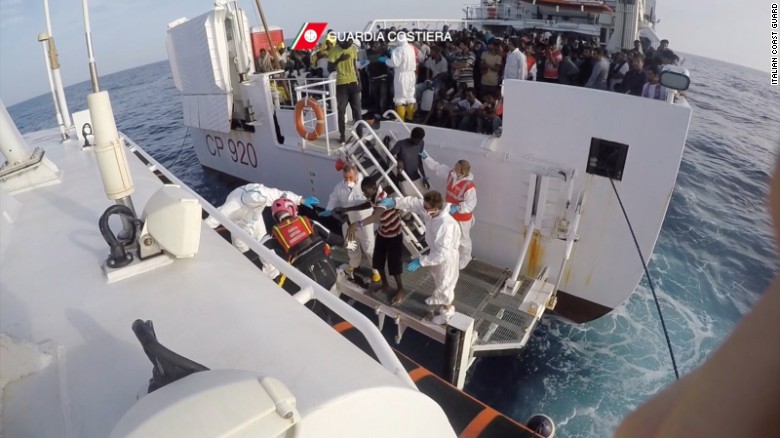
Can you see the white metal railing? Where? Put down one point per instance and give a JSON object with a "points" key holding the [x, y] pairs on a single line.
{"points": [[309, 288], [393, 164], [325, 92], [387, 153], [495, 12], [425, 24], [529, 233], [398, 118]]}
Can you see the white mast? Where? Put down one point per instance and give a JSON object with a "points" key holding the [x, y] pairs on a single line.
{"points": [[43, 37], [109, 147], [55, 70]]}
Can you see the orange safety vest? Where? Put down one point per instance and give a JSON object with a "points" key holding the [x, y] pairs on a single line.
{"points": [[292, 232], [456, 193]]}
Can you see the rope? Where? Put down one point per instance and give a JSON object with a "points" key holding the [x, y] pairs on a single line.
{"points": [[649, 280], [181, 148]]}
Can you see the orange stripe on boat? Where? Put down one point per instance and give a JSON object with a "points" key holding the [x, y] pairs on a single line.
{"points": [[342, 326], [418, 373], [479, 423]]}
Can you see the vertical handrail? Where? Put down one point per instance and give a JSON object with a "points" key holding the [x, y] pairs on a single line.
{"points": [[570, 239], [390, 157], [378, 343], [398, 118], [521, 259]]}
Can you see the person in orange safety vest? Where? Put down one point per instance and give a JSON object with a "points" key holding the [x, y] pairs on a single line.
{"points": [[461, 195]]}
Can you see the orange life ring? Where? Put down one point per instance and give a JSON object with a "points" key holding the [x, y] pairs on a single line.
{"points": [[320, 127]]}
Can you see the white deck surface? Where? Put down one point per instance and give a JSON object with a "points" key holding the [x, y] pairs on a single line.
{"points": [[216, 309]]}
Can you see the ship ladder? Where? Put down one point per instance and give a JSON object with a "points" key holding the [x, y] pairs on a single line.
{"points": [[372, 157]]}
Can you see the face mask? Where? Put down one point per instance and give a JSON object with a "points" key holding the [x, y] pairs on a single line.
{"points": [[433, 213], [351, 184]]}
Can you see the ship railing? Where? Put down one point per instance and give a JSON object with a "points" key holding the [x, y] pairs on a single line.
{"points": [[425, 24], [385, 173], [309, 288], [324, 91], [392, 113], [491, 12]]}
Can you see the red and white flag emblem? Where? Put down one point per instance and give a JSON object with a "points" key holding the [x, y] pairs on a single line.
{"points": [[308, 36]]}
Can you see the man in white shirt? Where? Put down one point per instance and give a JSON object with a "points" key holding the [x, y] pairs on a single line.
{"points": [[465, 112], [437, 72], [348, 193], [516, 63]]}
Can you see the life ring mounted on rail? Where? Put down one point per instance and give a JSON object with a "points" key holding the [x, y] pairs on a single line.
{"points": [[319, 128]]}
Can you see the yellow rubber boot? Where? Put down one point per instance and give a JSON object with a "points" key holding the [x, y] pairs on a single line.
{"points": [[401, 110], [410, 112]]}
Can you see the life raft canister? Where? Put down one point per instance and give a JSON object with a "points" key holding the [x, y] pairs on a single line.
{"points": [[319, 128]]}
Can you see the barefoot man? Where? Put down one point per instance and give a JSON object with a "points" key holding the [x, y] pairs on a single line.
{"points": [[389, 244]]}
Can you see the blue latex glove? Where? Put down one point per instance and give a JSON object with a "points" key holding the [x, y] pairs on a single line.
{"points": [[326, 213], [423, 154], [310, 201], [413, 265], [453, 209], [382, 59], [387, 202]]}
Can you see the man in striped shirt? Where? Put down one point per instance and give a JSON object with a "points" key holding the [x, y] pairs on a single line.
{"points": [[389, 245]]}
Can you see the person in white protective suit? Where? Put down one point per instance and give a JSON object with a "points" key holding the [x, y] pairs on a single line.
{"points": [[442, 233], [244, 206], [348, 193], [403, 60], [462, 196]]}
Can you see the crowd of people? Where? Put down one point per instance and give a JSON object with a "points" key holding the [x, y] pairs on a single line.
{"points": [[457, 83]]}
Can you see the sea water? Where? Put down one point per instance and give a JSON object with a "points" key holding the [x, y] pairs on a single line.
{"points": [[713, 259]]}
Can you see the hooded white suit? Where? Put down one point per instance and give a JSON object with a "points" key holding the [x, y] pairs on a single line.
{"points": [[404, 62], [245, 206], [443, 236]]}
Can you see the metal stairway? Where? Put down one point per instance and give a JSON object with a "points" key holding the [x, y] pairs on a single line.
{"points": [[371, 154]]}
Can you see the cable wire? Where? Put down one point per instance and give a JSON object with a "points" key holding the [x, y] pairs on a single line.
{"points": [[649, 280], [181, 148]]}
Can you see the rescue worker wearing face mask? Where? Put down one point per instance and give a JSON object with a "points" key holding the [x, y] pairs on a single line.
{"points": [[348, 193], [462, 196], [403, 60], [244, 206], [442, 233]]}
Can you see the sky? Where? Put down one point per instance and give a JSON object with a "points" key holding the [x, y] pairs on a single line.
{"points": [[128, 34]]}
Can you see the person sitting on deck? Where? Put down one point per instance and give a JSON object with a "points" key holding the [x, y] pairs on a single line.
{"points": [[492, 110], [465, 112]]}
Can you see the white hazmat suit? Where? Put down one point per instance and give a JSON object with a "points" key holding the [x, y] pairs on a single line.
{"points": [[244, 206], [467, 206], [443, 236], [404, 63], [344, 196]]}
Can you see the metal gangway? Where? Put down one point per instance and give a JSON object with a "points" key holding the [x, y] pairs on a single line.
{"points": [[496, 309]]}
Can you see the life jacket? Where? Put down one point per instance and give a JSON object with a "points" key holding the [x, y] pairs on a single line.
{"points": [[456, 193], [292, 233]]}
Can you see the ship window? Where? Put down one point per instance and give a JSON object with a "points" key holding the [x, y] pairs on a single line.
{"points": [[607, 158]]}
